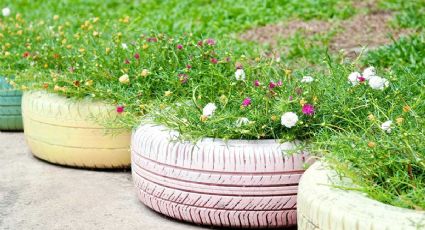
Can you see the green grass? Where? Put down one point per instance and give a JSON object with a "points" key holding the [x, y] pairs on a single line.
{"points": [[408, 52], [202, 17], [409, 14]]}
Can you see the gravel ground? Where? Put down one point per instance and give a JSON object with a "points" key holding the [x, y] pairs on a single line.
{"points": [[38, 195]]}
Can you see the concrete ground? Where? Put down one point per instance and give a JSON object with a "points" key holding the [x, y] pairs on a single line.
{"points": [[38, 195]]}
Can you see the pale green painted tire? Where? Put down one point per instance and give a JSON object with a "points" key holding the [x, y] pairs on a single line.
{"points": [[10, 107], [321, 206]]}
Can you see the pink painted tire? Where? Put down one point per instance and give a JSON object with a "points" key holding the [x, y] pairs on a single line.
{"points": [[244, 184]]}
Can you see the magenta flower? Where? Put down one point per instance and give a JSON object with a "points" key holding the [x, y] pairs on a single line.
{"points": [[137, 56], [257, 83], [361, 79], [214, 60], [188, 66], [210, 41], [127, 61], [308, 109], [200, 43], [120, 109], [179, 46], [246, 102], [272, 85], [290, 98]]}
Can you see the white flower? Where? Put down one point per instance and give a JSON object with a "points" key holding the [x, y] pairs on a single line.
{"points": [[386, 126], [5, 11], [289, 119], [209, 109], [378, 83], [124, 46], [369, 72], [307, 79], [242, 121], [240, 75], [354, 78], [124, 79]]}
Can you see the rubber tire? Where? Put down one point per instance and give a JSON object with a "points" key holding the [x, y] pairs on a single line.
{"points": [[62, 131], [235, 184], [322, 206], [10, 107]]}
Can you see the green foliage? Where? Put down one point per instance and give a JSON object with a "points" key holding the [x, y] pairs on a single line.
{"points": [[389, 167], [269, 87], [409, 14], [408, 52]]}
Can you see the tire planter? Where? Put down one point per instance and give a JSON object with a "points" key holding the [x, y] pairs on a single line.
{"points": [[321, 206], [10, 107], [62, 131], [251, 184]]}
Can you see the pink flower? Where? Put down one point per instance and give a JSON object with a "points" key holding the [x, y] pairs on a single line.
{"points": [[179, 46], [290, 98], [200, 43], [214, 60], [299, 91], [151, 39], [279, 83], [188, 66], [120, 109], [246, 102], [182, 78], [210, 41], [272, 85], [308, 109], [137, 56], [127, 61], [257, 83], [238, 65], [361, 79]]}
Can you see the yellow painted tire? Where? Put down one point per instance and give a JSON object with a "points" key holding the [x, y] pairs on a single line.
{"points": [[63, 131]]}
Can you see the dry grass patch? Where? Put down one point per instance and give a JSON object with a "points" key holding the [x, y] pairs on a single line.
{"points": [[272, 33], [371, 30], [363, 30]]}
